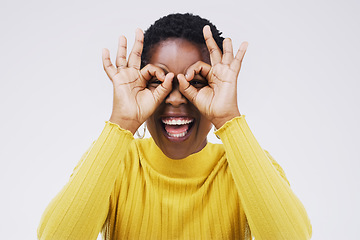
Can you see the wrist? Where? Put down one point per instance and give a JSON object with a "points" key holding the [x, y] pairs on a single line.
{"points": [[126, 124], [219, 122]]}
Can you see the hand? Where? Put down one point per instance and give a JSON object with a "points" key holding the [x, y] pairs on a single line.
{"points": [[218, 100], [133, 102]]}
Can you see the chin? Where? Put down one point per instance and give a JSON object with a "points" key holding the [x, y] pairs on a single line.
{"points": [[179, 151], [179, 137]]}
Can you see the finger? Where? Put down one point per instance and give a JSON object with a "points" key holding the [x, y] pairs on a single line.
{"points": [[121, 53], [197, 68], [186, 89], [236, 64], [150, 71], [214, 50], [135, 55], [228, 55], [109, 68], [164, 89]]}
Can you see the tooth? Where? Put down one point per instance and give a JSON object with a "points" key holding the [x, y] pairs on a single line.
{"points": [[177, 121], [177, 134]]}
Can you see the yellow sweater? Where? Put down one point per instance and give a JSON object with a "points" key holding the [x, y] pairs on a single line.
{"points": [[130, 190]]}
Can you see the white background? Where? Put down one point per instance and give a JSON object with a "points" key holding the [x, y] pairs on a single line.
{"points": [[299, 88]]}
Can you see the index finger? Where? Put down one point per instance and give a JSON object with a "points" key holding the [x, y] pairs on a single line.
{"points": [[198, 68], [150, 71], [214, 50]]}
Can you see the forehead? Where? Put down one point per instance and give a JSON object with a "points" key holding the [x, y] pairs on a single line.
{"points": [[176, 55]]}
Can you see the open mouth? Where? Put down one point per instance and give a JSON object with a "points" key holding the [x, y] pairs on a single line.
{"points": [[177, 128]]}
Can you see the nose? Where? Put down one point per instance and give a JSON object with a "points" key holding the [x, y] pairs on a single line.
{"points": [[175, 97]]}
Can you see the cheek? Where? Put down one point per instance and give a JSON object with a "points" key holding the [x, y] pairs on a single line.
{"points": [[205, 126], [151, 126]]}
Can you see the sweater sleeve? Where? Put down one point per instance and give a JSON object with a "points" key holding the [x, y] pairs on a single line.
{"points": [[271, 208], [81, 207]]}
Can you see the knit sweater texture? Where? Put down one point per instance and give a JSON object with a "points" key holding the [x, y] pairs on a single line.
{"points": [[128, 189]]}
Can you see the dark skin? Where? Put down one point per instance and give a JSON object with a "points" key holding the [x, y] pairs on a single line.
{"points": [[179, 81], [176, 56]]}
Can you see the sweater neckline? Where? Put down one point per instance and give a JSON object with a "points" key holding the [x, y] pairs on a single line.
{"points": [[196, 165]]}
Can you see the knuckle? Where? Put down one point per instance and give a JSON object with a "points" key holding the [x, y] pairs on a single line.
{"points": [[108, 64], [134, 66], [199, 63], [151, 67], [137, 53], [122, 57], [226, 51], [212, 50]]}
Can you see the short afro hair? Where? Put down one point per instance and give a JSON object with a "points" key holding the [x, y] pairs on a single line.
{"points": [[185, 26]]}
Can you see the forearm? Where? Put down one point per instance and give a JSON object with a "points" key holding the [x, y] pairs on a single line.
{"points": [[80, 209], [272, 209]]}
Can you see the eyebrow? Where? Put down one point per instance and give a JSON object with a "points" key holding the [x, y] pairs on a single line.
{"points": [[163, 67]]}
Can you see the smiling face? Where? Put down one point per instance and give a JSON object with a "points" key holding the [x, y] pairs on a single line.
{"points": [[177, 127]]}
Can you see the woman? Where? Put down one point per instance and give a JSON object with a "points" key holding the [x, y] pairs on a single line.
{"points": [[181, 78]]}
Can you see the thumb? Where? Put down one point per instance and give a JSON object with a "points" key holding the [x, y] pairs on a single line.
{"points": [[186, 89], [163, 89]]}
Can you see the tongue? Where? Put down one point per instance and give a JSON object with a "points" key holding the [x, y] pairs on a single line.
{"points": [[174, 129]]}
